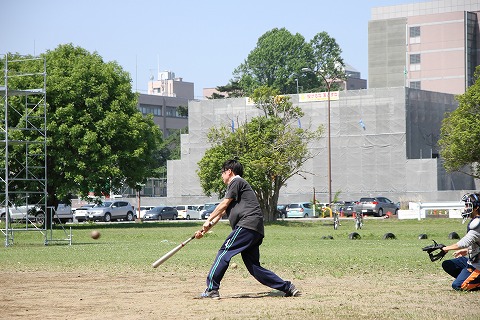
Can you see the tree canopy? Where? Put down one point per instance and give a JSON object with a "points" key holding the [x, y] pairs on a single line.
{"points": [[460, 133], [97, 139], [271, 147], [279, 61]]}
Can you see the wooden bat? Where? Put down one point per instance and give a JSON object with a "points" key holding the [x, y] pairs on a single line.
{"points": [[170, 253]]}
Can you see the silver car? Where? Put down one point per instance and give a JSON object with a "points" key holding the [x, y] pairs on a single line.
{"points": [[111, 210], [300, 210], [378, 206]]}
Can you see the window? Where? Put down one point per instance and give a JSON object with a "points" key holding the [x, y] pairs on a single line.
{"points": [[414, 32], [171, 112], [415, 62], [415, 85], [150, 109], [415, 58]]}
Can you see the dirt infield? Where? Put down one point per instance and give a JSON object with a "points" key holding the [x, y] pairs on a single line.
{"points": [[159, 295]]}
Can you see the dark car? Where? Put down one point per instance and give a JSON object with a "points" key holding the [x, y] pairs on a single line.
{"points": [[348, 208], [160, 213], [209, 210]]}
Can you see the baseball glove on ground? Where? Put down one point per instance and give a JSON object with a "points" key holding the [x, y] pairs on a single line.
{"points": [[433, 253]]}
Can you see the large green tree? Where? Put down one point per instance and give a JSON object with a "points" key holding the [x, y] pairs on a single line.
{"points": [[460, 133], [276, 61], [97, 138], [281, 60], [271, 147], [327, 66]]}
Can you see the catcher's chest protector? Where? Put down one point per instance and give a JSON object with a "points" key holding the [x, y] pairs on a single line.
{"points": [[474, 249], [474, 224]]}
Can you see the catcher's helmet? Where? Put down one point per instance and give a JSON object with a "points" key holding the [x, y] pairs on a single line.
{"points": [[472, 201]]}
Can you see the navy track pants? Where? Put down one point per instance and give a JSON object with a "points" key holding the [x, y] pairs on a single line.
{"points": [[246, 242]]}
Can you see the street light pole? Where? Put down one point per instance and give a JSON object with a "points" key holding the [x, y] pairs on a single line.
{"points": [[329, 143], [329, 137]]}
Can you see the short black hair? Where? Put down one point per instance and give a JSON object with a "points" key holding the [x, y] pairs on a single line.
{"points": [[233, 165]]}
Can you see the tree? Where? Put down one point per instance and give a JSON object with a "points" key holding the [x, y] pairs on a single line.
{"points": [[460, 133], [231, 90], [280, 59], [271, 147], [276, 61], [97, 140], [327, 63]]}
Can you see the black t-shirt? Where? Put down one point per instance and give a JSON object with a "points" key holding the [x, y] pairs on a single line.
{"points": [[244, 210]]}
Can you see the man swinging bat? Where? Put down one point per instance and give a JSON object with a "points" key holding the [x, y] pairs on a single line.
{"points": [[246, 219]]}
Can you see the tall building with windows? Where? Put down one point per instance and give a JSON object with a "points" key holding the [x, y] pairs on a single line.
{"points": [[170, 86], [167, 102], [431, 46]]}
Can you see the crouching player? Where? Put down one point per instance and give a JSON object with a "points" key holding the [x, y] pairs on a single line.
{"points": [[465, 267]]}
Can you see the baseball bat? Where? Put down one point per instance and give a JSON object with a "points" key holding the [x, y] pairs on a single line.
{"points": [[170, 253]]}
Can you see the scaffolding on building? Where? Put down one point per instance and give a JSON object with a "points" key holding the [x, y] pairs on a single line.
{"points": [[23, 141]]}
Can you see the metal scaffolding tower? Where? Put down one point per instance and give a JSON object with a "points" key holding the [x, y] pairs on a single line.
{"points": [[23, 145]]}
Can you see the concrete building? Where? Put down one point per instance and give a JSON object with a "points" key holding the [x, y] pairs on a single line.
{"points": [[431, 46], [354, 79], [165, 111], [164, 101], [383, 143], [168, 85], [383, 139]]}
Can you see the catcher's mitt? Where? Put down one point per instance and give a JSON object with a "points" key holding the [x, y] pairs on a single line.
{"points": [[431, 250]]}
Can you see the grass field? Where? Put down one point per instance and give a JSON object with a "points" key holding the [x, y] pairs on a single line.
{"points": [[288, 244], [294, 249]]}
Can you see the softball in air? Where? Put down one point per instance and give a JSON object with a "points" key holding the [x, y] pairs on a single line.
{"points": [[95, 234]]}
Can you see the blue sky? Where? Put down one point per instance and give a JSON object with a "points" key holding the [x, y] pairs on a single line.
{"points": [[201, 41]]}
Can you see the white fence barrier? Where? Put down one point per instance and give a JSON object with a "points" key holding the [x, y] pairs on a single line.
{"points": [[418, 210]]}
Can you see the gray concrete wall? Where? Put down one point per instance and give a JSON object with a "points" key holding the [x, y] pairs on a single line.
{"points": [[372, 159]]}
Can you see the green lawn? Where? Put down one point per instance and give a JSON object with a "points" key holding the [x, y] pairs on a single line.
{"points": [[289, 245]]}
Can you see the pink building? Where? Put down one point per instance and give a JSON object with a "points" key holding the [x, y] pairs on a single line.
{"points": [[429, 45]]}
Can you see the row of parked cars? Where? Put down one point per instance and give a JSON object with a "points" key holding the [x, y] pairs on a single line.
{"points": [[183, 211], [376, 206], [123, 210]]}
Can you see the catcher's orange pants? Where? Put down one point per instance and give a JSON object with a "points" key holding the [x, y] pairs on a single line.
{"points": [[466, 277]]}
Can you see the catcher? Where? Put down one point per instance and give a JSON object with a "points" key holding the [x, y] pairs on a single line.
{"points": [[465, 267]]}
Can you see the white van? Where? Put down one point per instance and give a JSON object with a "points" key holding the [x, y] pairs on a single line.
{"points": [[188, 211]]}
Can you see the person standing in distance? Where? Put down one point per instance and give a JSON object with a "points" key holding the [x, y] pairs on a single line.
{"points": [[465, 267], [246, 219]]}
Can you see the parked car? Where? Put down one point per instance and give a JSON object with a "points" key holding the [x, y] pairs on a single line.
{"points": [[142, 211], [187, 212], [282, 210], [161, 213], [22, 213], [63, 213], [111, 210], [206, 207], [348, 208], [300, 210], [377, 206], [80, 213], [210, 209]]}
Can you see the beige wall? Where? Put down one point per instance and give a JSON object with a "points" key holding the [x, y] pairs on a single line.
{"points": [[442, 49]]}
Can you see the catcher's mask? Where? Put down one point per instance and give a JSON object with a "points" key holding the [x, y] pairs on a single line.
{"points": [[472, 201]]}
